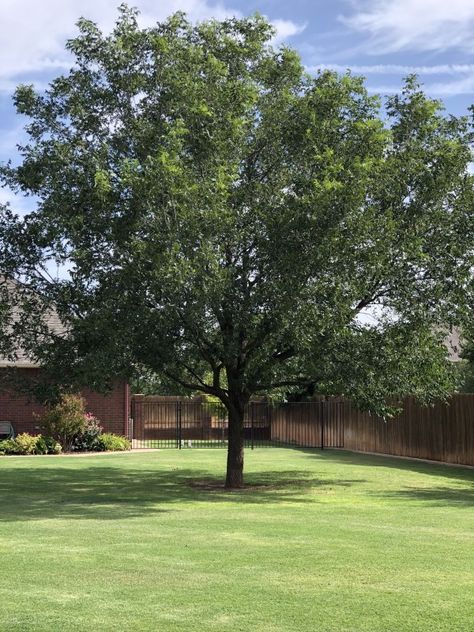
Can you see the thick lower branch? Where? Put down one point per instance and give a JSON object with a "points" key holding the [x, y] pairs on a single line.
{"points": [[197, 386]]}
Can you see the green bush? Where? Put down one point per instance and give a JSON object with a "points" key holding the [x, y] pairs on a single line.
{"points": [[47, 445], [65, 420], [88, 439], [26, 443], [9, 446], [41, 446], [30, 444], [113, 443]]}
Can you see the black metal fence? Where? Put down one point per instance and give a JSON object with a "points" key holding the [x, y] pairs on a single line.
{"points": [[160, 422]]}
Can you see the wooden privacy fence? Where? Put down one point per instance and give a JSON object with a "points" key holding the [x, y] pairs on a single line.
{"points": [[309, 424], [444, 432]]}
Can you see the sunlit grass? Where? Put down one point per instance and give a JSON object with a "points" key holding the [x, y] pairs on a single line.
{"points": [[324, 541]]}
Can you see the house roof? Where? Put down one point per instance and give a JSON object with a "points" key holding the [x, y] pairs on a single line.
{"points": [[453, 343], [50, 318]]}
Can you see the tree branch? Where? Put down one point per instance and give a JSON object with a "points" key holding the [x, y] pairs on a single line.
{"points": [[200, 386]]}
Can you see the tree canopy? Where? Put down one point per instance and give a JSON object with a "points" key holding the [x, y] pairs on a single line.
{"points": [[235, 225]]}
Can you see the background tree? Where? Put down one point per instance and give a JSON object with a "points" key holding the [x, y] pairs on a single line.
{"points": [[145, 382], [218, 212], [465, 367]]}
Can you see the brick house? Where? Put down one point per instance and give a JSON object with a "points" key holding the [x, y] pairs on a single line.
{"points": [[112, 409]]}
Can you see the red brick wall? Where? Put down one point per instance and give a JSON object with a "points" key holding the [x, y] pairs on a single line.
{"points": [[111, 409]]}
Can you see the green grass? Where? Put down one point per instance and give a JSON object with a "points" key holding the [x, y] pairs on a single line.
{"points": [[329, 542]]}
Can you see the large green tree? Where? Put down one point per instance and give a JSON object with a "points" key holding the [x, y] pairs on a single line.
{"points": [[223, 219]]}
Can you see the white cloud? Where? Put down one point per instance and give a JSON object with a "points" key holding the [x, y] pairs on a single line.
{"points": [[453, 88], [438, 89], [384, 90], [461, 82], [425, 25], [460, 77], [286, 29], [397, 69], [33, 33]]}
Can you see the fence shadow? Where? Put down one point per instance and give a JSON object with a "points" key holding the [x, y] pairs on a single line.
{"points": [[110, 493], [460, 494], [435, 496], [364, 459]]}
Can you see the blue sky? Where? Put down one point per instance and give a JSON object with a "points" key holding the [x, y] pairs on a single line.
{"points": [[382, 39]]}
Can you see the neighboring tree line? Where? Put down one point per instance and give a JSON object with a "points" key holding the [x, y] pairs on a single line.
{"points": [[235, 226]]}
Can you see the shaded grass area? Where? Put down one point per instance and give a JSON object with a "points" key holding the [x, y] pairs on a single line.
{"points": [[327, 541]]}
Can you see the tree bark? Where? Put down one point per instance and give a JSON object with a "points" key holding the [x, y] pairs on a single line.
{"points": [[235, 452]]}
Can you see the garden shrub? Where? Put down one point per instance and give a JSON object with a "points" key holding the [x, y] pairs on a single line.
{"points": [[113, 443], [47, 445], [66, 427], [9, 446], [65, 420], [88, 439], [26, 443], [30, 444]]}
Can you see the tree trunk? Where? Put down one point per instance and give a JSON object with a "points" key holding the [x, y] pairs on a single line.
{"points": [[235, 452]]}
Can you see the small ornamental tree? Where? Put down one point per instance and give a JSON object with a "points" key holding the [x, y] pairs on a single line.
{"points": [[224, 220], [65, 420]]}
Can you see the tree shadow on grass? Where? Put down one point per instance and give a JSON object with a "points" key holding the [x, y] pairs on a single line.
{"points": [[361, 459], [460, 493], [435, 496], [111, 493]]}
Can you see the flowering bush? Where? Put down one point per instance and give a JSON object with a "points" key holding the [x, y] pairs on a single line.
{"points": [[65, 420], [67, 426], [87, 439]]}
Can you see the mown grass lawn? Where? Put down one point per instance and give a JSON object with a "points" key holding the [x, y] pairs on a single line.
{"points": [[328, 542]]}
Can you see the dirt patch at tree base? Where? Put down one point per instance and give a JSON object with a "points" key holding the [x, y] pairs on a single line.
{"points": [[210, 485]]}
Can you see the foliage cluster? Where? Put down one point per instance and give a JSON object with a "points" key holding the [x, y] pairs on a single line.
{"points": [[30, 444], [65, 420], [109, 442], [77, 430], [87, 440]]}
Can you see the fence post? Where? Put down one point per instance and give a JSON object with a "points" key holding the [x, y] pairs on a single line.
{"points": [[322, 424], [137, 414], [178, 425], [252, 404]]}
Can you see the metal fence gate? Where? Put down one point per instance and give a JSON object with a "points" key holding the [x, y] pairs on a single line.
{"points": [[192, 424], [161, 422]]}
